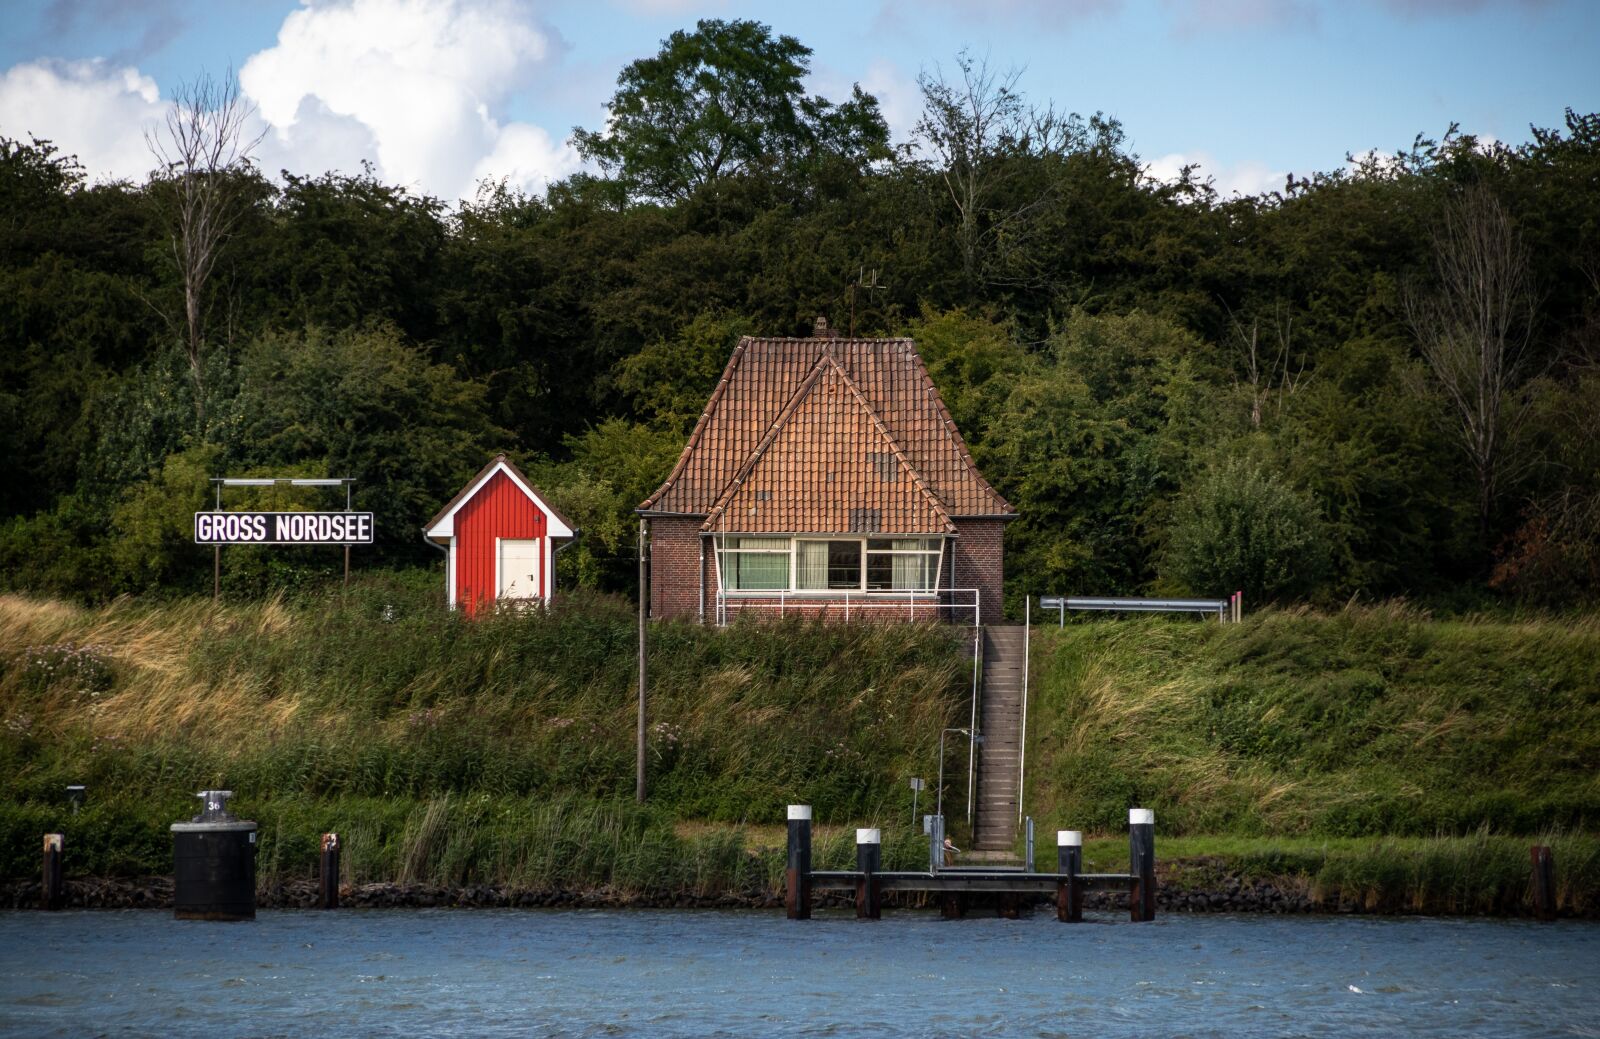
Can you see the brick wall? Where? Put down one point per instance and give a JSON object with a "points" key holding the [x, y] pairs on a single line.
{"points": [[980, 562], [675, 569]]}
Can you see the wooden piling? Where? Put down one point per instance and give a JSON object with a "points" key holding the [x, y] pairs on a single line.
{"points": [[328, 895], [953, 905], [53, 895], [1544, 883], [797, 889], [868, 861], [1069, 863], [1142, 864]]}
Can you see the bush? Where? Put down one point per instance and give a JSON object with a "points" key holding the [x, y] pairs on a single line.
{"points": [[1238, 527]]}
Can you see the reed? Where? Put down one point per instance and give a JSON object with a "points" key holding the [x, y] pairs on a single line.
{"points": [[380, 694], [1373, 721]]}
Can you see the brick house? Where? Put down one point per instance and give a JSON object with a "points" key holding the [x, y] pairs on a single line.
{"points": [[826, 476]]}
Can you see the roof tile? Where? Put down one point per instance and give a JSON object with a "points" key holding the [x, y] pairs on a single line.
{"points": [[764, 383]]}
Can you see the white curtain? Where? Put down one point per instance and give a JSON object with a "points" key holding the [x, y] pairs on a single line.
{"points": [[811, 565]]}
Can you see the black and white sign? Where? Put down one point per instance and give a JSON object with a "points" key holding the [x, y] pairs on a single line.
{"points": [[283, 528]]}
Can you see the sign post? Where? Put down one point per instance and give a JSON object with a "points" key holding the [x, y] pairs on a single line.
{"points": [[218, 527]]}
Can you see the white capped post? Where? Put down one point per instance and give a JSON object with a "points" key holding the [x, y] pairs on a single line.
{"points": [[1069, 863], [1142, 864], [868, 861], [797, 873]]}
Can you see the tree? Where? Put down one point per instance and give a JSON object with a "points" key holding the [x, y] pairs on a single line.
{"points": [[670, 380], [368, 405], [1474, 330], [719, 101], [980, 137], [201, 191], [1238, 527]]}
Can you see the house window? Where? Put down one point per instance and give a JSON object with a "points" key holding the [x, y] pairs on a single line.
{"points": [[829, 564], [902, 564], [833, 565], [756, 564]]}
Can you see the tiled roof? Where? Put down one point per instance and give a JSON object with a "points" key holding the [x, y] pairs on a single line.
{"points": [[828, 465], [765, 376]]}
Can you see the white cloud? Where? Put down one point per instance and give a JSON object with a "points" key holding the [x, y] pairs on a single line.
{"points": [[1036, 14], [669, 7], [899, 97], [1192, 17], [410, 85], [422, 76], [1241, 178], [88, 108], [523, 155]]}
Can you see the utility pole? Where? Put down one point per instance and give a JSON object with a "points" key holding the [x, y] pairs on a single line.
{"points": [[638, 779]]}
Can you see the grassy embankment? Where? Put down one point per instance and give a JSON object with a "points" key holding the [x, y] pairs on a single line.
{"points": [[1373, 755], [451, 751]]}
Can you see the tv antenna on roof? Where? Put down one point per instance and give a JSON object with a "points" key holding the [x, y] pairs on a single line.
{"points": [[867, 280]]}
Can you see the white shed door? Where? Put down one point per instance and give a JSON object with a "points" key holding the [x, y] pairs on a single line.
{"points": [[519, 568]]}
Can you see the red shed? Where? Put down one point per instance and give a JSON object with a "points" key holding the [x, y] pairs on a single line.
{"points": [[497, 533]]}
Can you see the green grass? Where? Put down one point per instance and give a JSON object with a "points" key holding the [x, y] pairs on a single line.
{"points": [[382, 694], [1370, 722], [1372, 756]]}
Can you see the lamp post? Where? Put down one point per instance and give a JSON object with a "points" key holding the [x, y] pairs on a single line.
{"points": [[975, 741]]}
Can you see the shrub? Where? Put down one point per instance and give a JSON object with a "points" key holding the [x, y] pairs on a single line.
{"points": [[1238, 527]]}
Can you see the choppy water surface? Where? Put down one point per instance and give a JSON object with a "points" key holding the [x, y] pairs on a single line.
{"points": [[663, 973]]}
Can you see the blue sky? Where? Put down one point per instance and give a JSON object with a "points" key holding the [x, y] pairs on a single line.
{"points": [[440, 93]]}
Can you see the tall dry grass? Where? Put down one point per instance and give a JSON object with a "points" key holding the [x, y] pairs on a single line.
{"points": [[380, 693], [1370, 721]]}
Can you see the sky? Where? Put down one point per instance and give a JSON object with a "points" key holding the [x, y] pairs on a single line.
{"points": [[439, 95]]}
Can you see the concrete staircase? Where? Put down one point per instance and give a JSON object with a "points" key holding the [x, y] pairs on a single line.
{"points": [[1000, 721]]}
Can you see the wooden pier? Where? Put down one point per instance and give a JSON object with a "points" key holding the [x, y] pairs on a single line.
{"points": [[1066, 884]]}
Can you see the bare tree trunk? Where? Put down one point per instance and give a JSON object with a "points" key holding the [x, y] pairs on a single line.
{"points": [[973, 129], [1474, 329], [1269, 382], [202, 150]]}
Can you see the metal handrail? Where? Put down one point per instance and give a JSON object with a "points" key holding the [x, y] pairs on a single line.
{"points": [[934, 601], [1022, 737]]}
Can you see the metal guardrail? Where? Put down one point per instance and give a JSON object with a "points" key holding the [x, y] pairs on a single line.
{"points": [[1223, 609]]}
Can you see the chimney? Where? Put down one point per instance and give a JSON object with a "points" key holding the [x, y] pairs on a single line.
{"points": [[820, 329]]}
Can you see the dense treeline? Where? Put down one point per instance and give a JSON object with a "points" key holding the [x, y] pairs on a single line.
{"points": [[1380, 380]]}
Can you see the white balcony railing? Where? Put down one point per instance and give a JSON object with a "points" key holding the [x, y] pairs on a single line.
{"points": [[956, 605]]}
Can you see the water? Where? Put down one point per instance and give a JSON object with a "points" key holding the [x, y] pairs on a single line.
{"points": [[672, 973]]}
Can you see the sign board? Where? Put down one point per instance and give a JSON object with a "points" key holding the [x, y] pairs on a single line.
{"points": [[283, 528], [916, 784]]}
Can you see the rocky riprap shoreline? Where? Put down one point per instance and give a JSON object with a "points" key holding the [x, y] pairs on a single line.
{"points": [[1178, 894], [156, 893]]}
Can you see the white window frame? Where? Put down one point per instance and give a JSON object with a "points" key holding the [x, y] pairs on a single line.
{"points": [[723, 570], [724, 546]]}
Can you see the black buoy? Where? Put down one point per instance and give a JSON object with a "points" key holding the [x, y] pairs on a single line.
{"points": [[215, 859]]}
